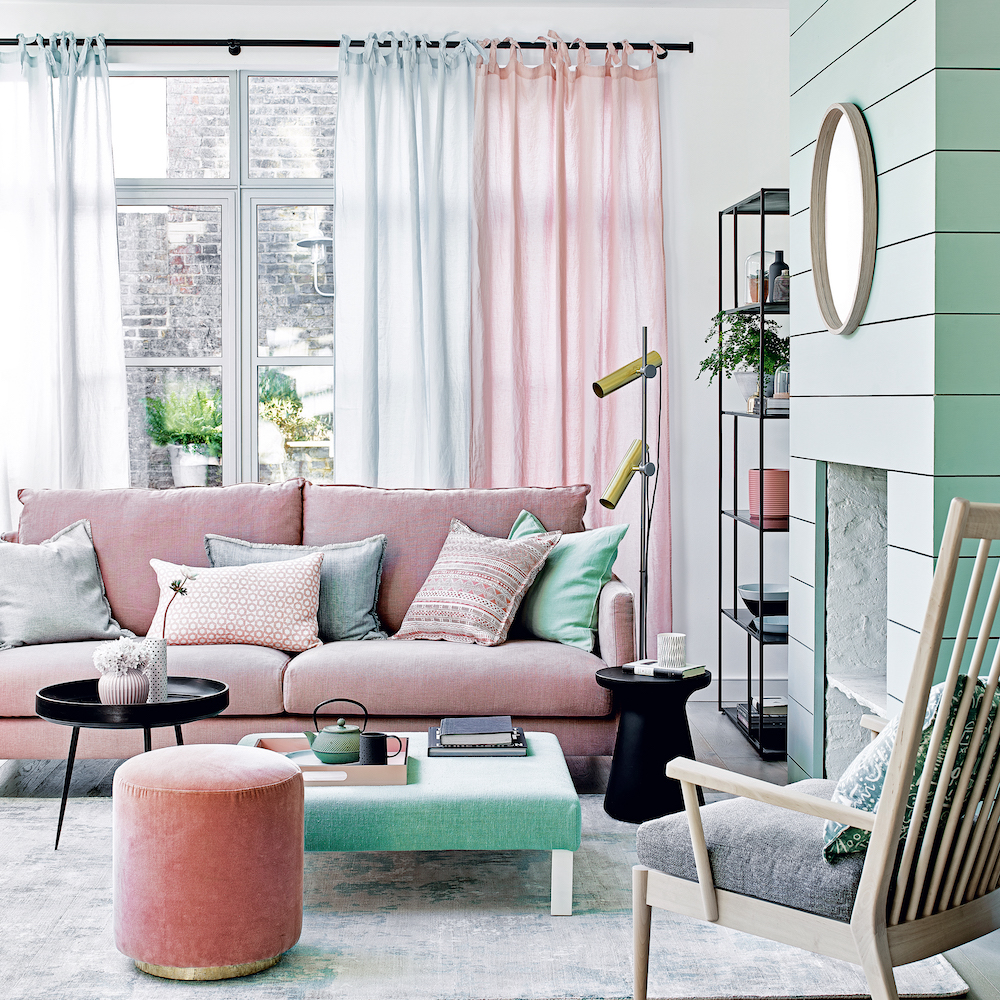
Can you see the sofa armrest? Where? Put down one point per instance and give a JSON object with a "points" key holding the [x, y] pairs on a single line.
{"points": [[616, 623]]}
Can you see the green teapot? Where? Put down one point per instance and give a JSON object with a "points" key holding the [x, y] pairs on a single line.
{"points": [[339, 744]]}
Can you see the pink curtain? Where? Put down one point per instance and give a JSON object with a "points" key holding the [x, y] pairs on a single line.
{"points": [[568, 266]]}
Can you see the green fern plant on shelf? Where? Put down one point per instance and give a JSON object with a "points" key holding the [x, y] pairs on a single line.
{"points": [[739, 349]]}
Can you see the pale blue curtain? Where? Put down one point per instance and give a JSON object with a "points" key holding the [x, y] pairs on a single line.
{"points": [[63, 411], [403, 258]]}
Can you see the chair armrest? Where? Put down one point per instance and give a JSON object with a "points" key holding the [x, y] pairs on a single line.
{"points": [[876, 723], [616, 623], [721, 780]]}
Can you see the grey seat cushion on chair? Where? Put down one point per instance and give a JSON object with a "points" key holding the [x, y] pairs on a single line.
{"points": [[760, 850]]}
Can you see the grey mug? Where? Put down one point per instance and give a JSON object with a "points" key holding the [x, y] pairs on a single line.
{"points": [[374, 748]]}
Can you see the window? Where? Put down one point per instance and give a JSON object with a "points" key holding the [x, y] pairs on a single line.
{"points": [[229, 321]]}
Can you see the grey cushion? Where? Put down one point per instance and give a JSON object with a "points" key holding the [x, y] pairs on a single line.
{"points": [[53, 591], [762, 851], [348, 581]]}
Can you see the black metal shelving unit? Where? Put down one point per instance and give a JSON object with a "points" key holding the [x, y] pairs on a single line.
{"points": [[766, 733]]}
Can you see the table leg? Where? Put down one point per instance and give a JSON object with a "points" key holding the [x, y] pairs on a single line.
{"points": [[69, 774], [562, 883], [147, 741], [177, 733]]}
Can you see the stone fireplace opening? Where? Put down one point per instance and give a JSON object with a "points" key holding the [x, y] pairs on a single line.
{"points": [[856, 608]]}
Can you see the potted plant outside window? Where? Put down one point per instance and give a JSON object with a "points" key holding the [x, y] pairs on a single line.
{"points": [[737, 350], [188, 422]]}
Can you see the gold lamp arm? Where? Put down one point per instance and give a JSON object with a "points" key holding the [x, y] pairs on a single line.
{"points": [[636, 460]]}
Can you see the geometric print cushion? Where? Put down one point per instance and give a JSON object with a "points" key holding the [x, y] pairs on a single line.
{"points": [[861, 784], [475, 587], [263, 604]]}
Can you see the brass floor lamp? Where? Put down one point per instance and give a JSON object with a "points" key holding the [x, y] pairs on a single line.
{"points": [[635, 460]]}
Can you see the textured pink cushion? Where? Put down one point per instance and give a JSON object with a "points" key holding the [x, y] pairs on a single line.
{"points": [[475, 587], [416, 523], [130, 527], [522, 677], [253, 673], [207, 856], [263, 604]]}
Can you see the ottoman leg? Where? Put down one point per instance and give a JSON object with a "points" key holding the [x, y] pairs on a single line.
{"points": [[562, 883]]}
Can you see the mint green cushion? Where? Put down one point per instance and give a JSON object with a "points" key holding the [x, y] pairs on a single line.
{"points": [[561, 604]]}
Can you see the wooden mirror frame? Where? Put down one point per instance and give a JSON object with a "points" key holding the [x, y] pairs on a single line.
{"points": [[817, 217]]}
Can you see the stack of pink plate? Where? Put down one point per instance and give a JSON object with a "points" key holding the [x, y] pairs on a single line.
{"points": [[775, 493]]}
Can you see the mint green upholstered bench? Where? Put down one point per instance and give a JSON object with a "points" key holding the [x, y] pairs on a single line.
{"points": [[458, 804]]}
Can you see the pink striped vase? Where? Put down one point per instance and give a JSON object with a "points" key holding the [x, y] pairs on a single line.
{"points": [[129, 688]]}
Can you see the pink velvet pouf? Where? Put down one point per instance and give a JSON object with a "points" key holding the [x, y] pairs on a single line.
{"points": [[208, 855]]}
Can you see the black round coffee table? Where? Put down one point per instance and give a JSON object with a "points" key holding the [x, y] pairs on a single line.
{"points": [[76, 704], [652, 729]]}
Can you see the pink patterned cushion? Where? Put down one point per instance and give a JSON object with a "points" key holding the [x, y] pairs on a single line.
{"points": [[263, 604], [475, 587]]}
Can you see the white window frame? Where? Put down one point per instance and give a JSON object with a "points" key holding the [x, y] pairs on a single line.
{"points": [[239, 195]]}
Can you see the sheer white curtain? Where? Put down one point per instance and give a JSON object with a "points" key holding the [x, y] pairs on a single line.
{"points": [[403, 223], [63, 408]]}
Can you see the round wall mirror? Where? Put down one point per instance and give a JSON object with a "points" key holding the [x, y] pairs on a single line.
{"points": [[843, 217]]}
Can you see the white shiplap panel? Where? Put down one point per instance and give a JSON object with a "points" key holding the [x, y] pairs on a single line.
{"points": [[878, 359], [890, 58], [802, 550], [901, 650], [802, 489], [883, 432], [801, 674], [910, 511], [801, 612], [908, 579]]}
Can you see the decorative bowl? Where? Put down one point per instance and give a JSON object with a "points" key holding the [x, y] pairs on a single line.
{"points": [[775, 598], [774, 624]]}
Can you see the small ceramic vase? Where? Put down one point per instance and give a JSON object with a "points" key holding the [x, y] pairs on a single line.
{"points": [[129, 688], [156, 671]]}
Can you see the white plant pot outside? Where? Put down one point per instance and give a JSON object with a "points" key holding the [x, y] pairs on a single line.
{"points": [[188, 466]]}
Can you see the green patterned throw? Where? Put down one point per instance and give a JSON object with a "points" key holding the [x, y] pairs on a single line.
{"points": [[861, 784]]}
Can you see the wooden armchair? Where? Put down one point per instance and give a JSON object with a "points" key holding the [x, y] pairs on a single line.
{"points": [[756, 863]]}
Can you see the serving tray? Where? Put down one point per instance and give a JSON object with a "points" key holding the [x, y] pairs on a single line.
{"points": [[315, 772]]}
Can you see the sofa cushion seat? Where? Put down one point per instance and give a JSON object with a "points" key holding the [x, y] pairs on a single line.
{"points": [[523, 677], [253, 673]]}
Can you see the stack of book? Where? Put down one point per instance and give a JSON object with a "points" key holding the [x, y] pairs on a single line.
{"points": [[775, 711], [651, 668], [476, 736]]}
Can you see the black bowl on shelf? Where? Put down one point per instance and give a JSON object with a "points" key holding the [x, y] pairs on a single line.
{"points": [[775, 598]]}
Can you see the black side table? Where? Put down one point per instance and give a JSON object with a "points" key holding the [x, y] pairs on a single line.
{"points": [[76, 704], [652, 730]]}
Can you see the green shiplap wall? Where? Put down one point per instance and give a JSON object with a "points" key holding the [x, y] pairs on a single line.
{"points": [[916, 390]]}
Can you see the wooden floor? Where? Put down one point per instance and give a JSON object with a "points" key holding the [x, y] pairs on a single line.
{"points": [[716, 741]]}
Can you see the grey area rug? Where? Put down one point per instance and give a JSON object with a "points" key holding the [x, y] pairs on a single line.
{"points": [[388, 926]]}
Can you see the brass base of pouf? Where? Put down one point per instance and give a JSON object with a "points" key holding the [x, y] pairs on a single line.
{"points": [[214, 972]]}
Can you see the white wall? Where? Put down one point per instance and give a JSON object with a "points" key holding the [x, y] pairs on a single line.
{"points": [[724, 120]]}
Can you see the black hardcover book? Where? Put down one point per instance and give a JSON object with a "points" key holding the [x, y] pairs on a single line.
{"points": [[518, 748]]}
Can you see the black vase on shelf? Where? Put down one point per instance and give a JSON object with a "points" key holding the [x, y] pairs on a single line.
{"points": [[777, 267]]}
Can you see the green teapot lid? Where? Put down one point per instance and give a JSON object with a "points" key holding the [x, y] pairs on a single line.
{"points": [[341, 727]]}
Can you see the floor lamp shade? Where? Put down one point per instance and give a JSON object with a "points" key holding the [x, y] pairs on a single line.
{"points": [[623, 475], [625, 374]]}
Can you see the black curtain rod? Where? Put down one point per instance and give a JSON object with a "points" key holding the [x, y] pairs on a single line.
{"points": [[235, 45]]}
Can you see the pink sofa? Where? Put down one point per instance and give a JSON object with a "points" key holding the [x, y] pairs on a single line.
{"points": [[405, 685]]}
